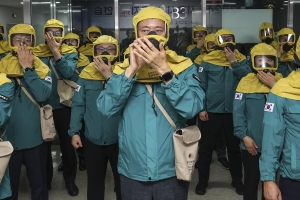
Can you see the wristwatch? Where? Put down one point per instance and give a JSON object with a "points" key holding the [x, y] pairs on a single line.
{"points": [[167, 76], [234, 62], [29, 68]]}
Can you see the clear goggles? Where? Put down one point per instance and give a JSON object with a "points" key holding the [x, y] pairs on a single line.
{"points": [[262, 62], [267, 32], [100, 49], [286, 38], [25, 39], [199, 34], [228, 38]]}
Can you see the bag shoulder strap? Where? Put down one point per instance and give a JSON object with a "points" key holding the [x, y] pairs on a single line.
{"points": [[54, 70], [161, 107], [27, 93], [289, 67], [1, 137]]}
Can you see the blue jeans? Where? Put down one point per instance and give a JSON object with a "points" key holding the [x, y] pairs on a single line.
{"points": [[167, 189]]}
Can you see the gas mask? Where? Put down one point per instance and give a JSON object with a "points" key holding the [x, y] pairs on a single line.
{"points": [[231, 46], [268, 40], [286, 47], [152, 39], [264, 58]]}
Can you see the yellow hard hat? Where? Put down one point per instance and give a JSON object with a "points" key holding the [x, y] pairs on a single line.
{"points": [[90, 30], [266, 57], [72, 36], [209, 38], [21, 29], [54, 23], [266, 30], [288, 34], [106, 39], [198, 28], [152, 12], [220, 41]]}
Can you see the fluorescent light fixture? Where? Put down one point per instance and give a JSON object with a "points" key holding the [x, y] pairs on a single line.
{"points": [[66, 11], [39, 2], [126, 3]]}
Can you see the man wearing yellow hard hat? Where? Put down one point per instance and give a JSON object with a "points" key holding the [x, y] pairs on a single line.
{"points": [[92, 33], [209, 46], [286, 51], [220, 73], [26, 72], [62, 60], [146, 153], [72, 39], [198, 34], [248, 113], [101, 135], [280, 142]]}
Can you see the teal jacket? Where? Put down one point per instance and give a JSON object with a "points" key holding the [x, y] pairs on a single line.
{"points": [[65, 68], [98, 129], [146, 151], [248, 113], [281, 138], [6, 98], [193, 54], [285, 68], [219, 84], [24, 129]]}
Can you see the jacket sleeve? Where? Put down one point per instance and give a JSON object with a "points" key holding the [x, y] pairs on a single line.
{"points": [[203, 73], [66, 65], [241, 69], [7, 93], [239, 115], [39, 88], [78, 108], [112, 99], [193, 53], [185, 94], [273, 138]]}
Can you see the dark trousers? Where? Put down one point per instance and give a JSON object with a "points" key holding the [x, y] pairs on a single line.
{"points": [[62, 119], [252, 175], [216, 125], [290, 189], [96, 158], [220, 146], [34, 160], [49, 164], [167, 189]]}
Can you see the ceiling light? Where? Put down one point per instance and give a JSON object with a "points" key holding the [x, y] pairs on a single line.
{"points": [[39, 2]]}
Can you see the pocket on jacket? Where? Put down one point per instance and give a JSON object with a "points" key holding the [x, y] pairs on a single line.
{"points": [[295, 159]]}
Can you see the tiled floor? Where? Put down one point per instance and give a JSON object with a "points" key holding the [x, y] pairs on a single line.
{"points": [[219, 185]]}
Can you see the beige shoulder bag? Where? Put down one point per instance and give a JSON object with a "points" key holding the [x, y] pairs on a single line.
{"points": [[46, 115], [65, 88], [185, 142], [6, 150]]}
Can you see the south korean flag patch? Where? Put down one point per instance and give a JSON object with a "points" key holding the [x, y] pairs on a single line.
{"points": [[269, 107], [200, 69], [77, 88], [238, 96], [49, 79]]}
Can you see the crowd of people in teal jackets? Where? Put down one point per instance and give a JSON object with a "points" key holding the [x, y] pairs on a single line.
{"points": [[250, 103]]}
